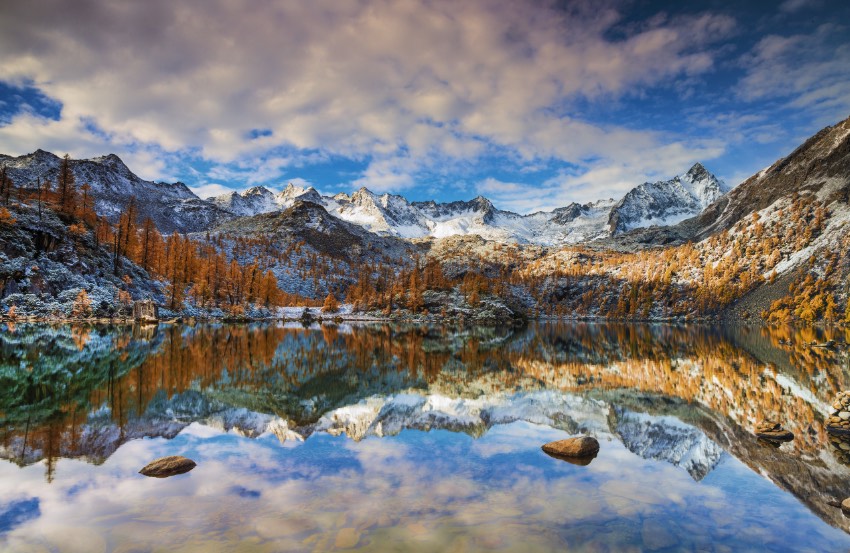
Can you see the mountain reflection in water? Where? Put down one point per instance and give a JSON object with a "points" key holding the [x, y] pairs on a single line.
{"points": [[680, 396]]}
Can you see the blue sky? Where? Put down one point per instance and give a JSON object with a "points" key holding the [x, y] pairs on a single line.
{"points": [[532, 103]]}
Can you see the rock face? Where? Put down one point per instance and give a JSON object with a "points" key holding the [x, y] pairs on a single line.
{"points": [[145, 311], [172, 207], [583, 446], [168, 466], [773, 431], [666, 202], [839, 421]]}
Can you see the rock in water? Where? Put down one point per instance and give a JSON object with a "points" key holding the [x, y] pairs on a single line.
{"points": [[168, 466], [845, 506], [767, 426], [773, 431], [583, 446], [838, 423], [145, 311]]}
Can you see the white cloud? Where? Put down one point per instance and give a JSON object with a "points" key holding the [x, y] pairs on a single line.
{"points": [[407, 86], [806, 71], [793, 6], [211, 189]]}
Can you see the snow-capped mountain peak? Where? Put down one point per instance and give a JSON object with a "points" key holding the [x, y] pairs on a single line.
{"points": [[174, 207], [254, 200], [112, 184], [666, 202], [292, 193]]}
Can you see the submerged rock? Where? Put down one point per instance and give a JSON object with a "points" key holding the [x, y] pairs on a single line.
{"points": [[839, 421], [773, 431], [580, 447], [845, 506], [168, 466]]}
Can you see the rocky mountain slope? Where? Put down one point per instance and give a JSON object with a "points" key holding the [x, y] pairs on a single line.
{"points": [[820, 167], [43, 267], [668, 202], [172, 207]]}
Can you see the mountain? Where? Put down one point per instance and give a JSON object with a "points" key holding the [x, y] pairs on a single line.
{"points": [[250, 202], [667, 202], [666, 438], [820, 168], [388, 214], [172, 207], [663, 202], [260, 199]]}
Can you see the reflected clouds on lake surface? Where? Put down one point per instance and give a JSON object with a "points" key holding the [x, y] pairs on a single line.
{"points": [[379, 437]]}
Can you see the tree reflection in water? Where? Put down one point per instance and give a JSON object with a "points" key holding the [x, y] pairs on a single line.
{"points": [[68, 391]]}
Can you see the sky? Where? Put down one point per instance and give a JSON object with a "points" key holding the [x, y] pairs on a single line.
{"points": [[533, 104]]}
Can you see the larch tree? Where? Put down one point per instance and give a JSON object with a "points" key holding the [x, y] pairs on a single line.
{"points": [[330, 305], [66, 187]]}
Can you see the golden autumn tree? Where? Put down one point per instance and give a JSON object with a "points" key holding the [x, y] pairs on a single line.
{"points": [[81, 307], [6, 218], [330, 305]]}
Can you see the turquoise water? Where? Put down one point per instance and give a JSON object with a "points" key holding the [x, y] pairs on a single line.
{"points": [[384, 439]]}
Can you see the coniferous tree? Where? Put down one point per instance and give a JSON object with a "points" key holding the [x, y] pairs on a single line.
{"points": [[66, 187], [5, 186], [330, 305]]}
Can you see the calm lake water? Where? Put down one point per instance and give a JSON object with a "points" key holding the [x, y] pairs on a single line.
{"points": [[418, 439]]}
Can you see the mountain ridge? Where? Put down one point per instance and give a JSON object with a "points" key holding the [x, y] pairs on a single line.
{"points": [[172, 207], [661, 202]]}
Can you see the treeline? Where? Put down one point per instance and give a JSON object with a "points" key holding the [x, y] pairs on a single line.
{"points": [[386, 289]]}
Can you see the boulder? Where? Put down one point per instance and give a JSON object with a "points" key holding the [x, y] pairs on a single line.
{"points": [[845, 507], [838, 423], [580, 447], [773, 431], [840, 443], [776, 435], [168, 466], [145, 311]]}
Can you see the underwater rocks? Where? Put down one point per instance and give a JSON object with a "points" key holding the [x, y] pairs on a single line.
{"points": [[168, 466], [773, 431], [839, 421], [840, 447], [583, 447]]}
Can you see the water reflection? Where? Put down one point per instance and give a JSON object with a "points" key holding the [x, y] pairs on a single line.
{"points": [[676, 396]]}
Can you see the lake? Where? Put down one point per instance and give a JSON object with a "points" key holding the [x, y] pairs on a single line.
{"points": [[394, 438]]}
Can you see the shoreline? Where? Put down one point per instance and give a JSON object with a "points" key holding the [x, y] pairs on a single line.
{"points": [[367, 318]]}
